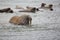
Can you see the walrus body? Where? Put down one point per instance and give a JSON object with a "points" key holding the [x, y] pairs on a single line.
{"points": [[22, 20], [44, 6], [7, 10], [30, 9]]}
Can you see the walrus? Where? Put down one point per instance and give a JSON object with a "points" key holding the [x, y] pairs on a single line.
{"points": [[50, 6], [32, 8], [21, 20], [7, 10], [44, 6], [29, 10], [18, 7]]}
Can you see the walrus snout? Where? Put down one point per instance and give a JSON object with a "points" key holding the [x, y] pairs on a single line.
{"points": [[21, 20]]}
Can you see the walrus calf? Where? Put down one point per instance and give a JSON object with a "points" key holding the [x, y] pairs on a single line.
{"points": [[7, 10], [44, 6], [21, 20]]}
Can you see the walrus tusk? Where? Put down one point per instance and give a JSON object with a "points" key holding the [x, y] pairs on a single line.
{"points": [[29, 22]]}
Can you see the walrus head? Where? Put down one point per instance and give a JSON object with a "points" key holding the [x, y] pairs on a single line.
{"points": [[29, 20], [33, 10], [26, 20], [10, 11], [50, 6], [43, 5]]}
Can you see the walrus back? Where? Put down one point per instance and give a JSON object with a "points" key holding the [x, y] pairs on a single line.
{"points": [[14, 19], [20, 20]]}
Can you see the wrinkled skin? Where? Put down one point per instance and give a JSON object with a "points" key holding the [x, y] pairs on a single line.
{"points": [[22, 20]]}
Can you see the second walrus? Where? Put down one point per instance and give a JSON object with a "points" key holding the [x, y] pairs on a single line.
{"points": [[7, 10]]}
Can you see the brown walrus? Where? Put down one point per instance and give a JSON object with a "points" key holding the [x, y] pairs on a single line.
{"points": [[44, 6], [7, 10], [21, 20]]}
